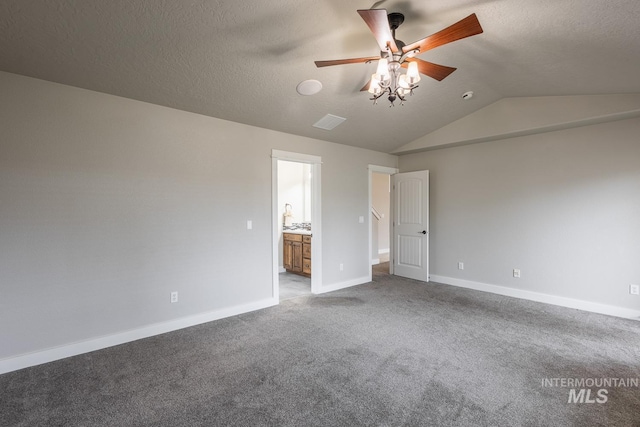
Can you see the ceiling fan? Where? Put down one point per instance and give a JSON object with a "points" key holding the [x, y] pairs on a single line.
{"points": [[395, 54]]}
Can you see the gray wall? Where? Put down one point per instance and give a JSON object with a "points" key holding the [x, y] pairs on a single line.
{"points": [[109, 204], [564, 207]]}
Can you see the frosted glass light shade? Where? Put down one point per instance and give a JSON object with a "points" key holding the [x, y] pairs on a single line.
{"points": [[383, 69], [403, 82], [413, 75], [374, 86]]}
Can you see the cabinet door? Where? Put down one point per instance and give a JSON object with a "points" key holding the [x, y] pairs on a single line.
{"points": [[287, 256], [297, 256], [306, 250]]}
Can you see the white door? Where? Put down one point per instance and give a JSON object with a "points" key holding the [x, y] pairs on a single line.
{"points": [[411, 225]]}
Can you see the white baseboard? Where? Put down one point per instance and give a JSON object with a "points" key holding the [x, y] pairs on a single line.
{"points": [[74, 349], [375, 261], [593, 307], [383, 251], [282, 270], [342, 285]]}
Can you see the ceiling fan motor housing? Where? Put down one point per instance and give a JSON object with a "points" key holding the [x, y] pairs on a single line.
{"points": [[395, 19]]}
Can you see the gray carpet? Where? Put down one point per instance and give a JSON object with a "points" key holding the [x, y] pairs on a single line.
{"points": [[394, 352]]}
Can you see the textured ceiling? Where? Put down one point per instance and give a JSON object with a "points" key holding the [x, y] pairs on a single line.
{"points": [[241, 61]]}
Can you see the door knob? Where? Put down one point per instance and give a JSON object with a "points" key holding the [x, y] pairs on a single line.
{"points": [[422, 232]]}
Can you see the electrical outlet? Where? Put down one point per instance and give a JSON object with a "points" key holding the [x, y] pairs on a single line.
{"points": [[461, 266], [516, 273], [341, 267], [249, 224], [174, 297], [634, 289]]}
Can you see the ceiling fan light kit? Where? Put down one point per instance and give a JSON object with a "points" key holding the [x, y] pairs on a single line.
{"points": [[388, 80], [395, 54]]}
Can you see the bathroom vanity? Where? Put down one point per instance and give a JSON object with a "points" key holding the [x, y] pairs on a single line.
{"points": [[297, 252]]}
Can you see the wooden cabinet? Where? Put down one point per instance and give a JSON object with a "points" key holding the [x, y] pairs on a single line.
{"points": [[287, 256], [297, 253], [306, 255]]}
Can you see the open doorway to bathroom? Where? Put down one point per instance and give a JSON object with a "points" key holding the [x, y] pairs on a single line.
{"points": [[296, 214], [295, 241]]}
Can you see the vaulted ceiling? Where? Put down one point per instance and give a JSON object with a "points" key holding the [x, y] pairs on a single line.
{"points": [[242, 60]]}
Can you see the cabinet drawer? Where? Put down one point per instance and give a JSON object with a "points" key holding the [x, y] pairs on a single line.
{"points": [[293, 237], [306, 239]]}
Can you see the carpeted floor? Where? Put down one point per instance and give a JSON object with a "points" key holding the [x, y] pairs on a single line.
{"points": [[394, 352]]}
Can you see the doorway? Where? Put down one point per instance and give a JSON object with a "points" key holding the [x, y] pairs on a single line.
{"points": [[296, 208], [380, 248], [408, 228], [380, 211]]}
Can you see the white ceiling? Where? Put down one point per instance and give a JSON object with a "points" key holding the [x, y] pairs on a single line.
{"points": [[241, 60]]}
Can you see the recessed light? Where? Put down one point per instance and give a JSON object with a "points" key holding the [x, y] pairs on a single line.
{"points": [[467, 95], [309, 87]]}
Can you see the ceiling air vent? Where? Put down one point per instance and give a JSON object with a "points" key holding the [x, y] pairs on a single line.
{"points": [[329, 122]]}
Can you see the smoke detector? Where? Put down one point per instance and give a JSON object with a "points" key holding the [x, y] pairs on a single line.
{"points": [[467, 95]]}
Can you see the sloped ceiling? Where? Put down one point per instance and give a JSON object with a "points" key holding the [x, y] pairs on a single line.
{"points": [[241, 61], [511, 117]]}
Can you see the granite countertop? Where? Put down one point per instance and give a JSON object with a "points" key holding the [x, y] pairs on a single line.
{"points": [[298, 228]]}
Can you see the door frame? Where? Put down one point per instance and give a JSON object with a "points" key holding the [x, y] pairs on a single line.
{"points": [[316, 219], [387, 171]]}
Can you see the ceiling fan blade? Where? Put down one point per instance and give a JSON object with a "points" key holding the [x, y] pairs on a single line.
{"points": [[435, 71], [469, 26], [378, 23], [345, 61]]}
